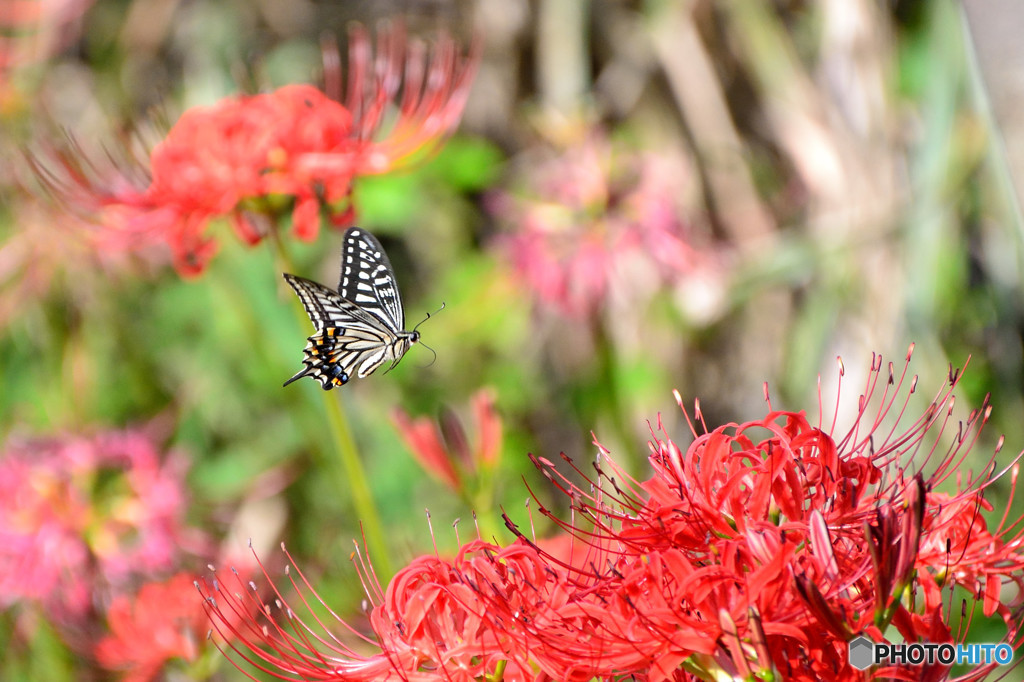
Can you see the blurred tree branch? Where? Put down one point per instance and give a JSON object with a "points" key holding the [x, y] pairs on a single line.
{"points": [[994, 27], [698, 92]]}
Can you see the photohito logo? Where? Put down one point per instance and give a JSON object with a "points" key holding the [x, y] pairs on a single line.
{"points": [[864, 653]]}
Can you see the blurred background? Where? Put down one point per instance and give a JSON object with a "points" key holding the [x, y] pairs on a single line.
{"points": [[641, 197]]}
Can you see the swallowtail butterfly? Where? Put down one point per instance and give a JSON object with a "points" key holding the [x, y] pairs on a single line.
{"points": [[360, 326]]}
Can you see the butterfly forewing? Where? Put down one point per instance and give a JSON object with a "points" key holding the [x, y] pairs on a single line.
{"points": [[324, 307], [368, 280], [360, 326]]}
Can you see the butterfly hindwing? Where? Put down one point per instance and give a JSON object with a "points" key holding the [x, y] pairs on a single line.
{"points": [[360, 326]]}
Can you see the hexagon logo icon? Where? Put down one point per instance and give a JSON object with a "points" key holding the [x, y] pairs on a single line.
{"points": [[861, 650]]}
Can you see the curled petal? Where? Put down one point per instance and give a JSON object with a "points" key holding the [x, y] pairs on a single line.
{"points": [[306, 218]]}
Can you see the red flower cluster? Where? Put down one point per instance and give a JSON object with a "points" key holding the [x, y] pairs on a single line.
{"points": [[290, 142], [295, 146], [759, 552], [160, 623]]}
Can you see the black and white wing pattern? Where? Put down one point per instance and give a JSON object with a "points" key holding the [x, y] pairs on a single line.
{"points": [[368, 280], [359, 327]]}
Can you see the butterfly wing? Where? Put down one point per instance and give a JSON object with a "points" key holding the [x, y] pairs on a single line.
{"points": [[348, 340], [368, 280]]}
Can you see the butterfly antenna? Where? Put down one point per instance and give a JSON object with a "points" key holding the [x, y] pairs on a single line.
{"points": [[429, 315], [432, 351]]}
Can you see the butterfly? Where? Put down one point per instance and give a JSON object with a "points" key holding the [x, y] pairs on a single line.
{"points": [[360, 326]]}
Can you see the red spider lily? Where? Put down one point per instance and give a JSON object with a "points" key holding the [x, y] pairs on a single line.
{"points": [[162, 622], [793, 539], [445, 453], [759, 551], [297, 146], [430, 624]]}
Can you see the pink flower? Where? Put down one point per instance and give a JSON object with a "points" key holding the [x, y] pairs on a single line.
{"points": [[32, 31], [594, 219], [80, 515]]}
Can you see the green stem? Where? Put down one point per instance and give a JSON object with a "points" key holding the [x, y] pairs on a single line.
{"points": [[482, 501], [610, 389], [354, 478], [355, 475]]}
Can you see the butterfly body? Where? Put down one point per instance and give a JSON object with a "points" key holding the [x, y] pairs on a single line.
{"points": [[359, 327]]}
